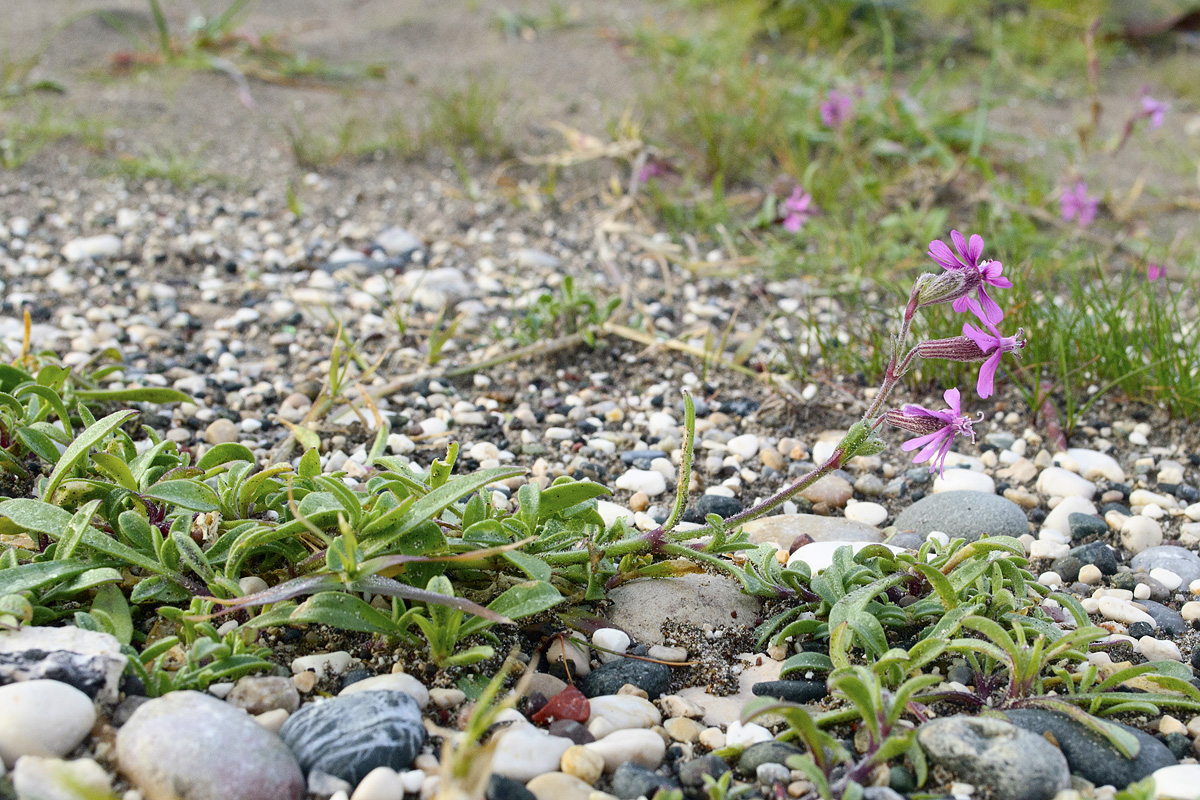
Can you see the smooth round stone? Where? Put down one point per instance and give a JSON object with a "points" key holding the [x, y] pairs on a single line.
{"points": [[1098, 554], [1170, 622], [1139, 534], [1179, 560], [1169, 579], [323, 664], [42, 718], [350, 736], [1083, 526], [190, 746], [1014, 763], [1158, 649], [559, 786], [582, 763], [642, 747], [640, 606], [783, 529], [968, 515], [523, 752], [1059, 482], [393, 682], [607, 679], [381, 783], [745, 446], [832, 490], [1093, 464], [682, 729], [624, 711], [867, 513], [691, 773], [819, 555], [221, 431], [964, 480], [38, 778], [1177, 782], [1088, 754], [92, 662], [260, 694], [773, 752], [723, 507], [793, 691], [631, 781], [643, 480], [502, 788]]}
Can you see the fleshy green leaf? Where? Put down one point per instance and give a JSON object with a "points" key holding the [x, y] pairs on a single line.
{"points": [[224, 453], [185, 493], [80, 447]]}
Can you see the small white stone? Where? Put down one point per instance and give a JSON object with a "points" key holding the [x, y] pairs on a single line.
{"points": [[745, 446], [712, 738], [1140, 533], [613, 641], [1159, 649], [324, 664], [411, 780], [272, 720], [447, 698], [1190, 610], [1058, 519], [867, 513], [394, 682], [624, 711], [1167, 578], [955, 480], [523, 752], [42, 718], [1050, 579], [819, 555], [433, 426], [557, 434], [1193, 512], [1042, 548], [1058, 482], [739, 735], [1141, 592], [643, 480], [92, 247], [1177, 782], [643, 747], [1090, 574], [1124, 611], [381, 783], [1093, 464]]}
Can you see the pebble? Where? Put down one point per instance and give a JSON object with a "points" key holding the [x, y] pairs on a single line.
{"points": [[1140, 533], [1015, 764], [85, 247], [582, 763], [1159, 649], [608, 678], [639, 607], [1167, 578], [1058, 482], [832, 490], [393, 682], [1092, 464], [523, 752], [819, 555], [381, 783], [1059, 518], [642, 747], [260, 694], [784, 529], [1177, 782], [1098, 554], [221, 431], [322, 664], [691, 774], [1083, 526], [38, 778], [646, 481], [92, 662], [1090, 574], [867, 513], [42, 717], [631, 781], [1180, 561], [446, 698], [348, 736], [682, 729], [964, 514], [766, 752], [624, 711], [558, 786], [744, 446], [964, 480], [1091, 756], [1123, 611], [179, 746]]}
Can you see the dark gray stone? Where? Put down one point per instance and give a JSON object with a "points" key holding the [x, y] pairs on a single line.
{"points": [[1084, 526], [648, 676], [723, 507], [1098, 554], [631, 781], [1169, 621], [193, 746], [773, 752], [1091, 756], [351, 735], [964, 514], [1067, 568], [1181, 561], [502, 788], [691, 773], [796, 691], [1014, 763]]}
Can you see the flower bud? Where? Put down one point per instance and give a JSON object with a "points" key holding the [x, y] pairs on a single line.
{"points": [[958, 348], [951, 285]]}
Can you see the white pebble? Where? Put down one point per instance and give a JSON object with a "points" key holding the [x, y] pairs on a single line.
{"points": [[392, 682], [745, 446], [867, 513], [643, 480], [1177, 782], [1090, 574], [610, 639], [42, 718], [955, 480], [1093, 464], [1167, 578], [1141, 592], [1190, 611], [1058, 482], [1140, 533], [1058, 519], [324, 664], [1042, 548], [1123, 611], [1159, 649], [739, 735]]}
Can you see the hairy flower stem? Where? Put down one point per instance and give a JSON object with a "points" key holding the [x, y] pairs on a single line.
{"points": [[896, 366]]}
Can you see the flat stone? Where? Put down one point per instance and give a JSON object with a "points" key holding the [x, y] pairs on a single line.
{"points": [[783, 529], [42, 718], [832, 490], [631, 781], [1177, 782], [642, 747], [1170, 622], [1083, 526], [641, 606], [1093, 464], [625, 711], [1088, 754], [392, 682], [1059, 482], [1098, 554], [523, 752], [259, 694], [773, 752], [350, 736], [964, 480], [1180, 560], [92, 662], [964, 514], [190, 746], [793, 691], [608, 678], [559, 786], [1013, 763]]}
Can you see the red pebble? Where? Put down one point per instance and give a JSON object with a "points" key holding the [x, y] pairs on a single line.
{"points": [[567, 704]]}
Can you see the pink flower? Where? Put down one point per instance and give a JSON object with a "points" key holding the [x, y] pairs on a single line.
{"points": [[938, 429], [1156, 110], [980, 274], [837, 109], [1078, 205], [654, 168], [798, 210], [1154, 272], [991, 342]]}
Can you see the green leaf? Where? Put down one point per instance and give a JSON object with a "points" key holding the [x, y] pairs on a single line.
{"points": [[186, 493], [522, 600], [339, 610], [803, 662], [11, 378], [139, 394], [940, 585], [53, 400], [224, 453], [34, 515], [78, 525], [34, 576], [111, 601], [192, 556], [560, 497], [115, 468], [80, 447], [310, 464], [39, 443], [534, 567]]}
